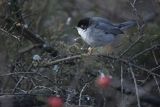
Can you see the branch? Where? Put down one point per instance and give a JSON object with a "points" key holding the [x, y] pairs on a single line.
{"points": [[136, 87], [146, 50], [15, 19], [132, 45], [109, 57]]}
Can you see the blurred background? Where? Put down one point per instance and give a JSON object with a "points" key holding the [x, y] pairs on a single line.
{"points": [[30, 69]]}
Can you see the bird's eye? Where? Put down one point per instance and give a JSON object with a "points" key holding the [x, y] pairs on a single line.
{"points": [[82, 26]]}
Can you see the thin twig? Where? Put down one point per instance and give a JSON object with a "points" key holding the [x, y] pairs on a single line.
{"points": [[122, 88], [8, 34], [136, 87], [20, 80], [132, 45], [46, 64], [146, 50], [157, 83], [155, 58], [28, 48], [155, 68], [41, 87], [16, 73], [80, 95]]}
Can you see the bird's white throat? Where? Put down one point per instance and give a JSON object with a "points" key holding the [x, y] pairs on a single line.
{"points": [[83, 33]]}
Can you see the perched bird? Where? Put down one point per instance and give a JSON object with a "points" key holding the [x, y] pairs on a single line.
{"points": [[97, 31]]}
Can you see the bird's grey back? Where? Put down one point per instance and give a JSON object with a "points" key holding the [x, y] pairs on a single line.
{"points": [[106, 26], [120, 26]]}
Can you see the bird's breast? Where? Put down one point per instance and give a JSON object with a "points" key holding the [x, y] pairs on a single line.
{"points": [[85, 34], [95, 37]]}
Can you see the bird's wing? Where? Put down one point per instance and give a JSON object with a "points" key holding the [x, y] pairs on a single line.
{"points": [[100, 38], [108, 28]]}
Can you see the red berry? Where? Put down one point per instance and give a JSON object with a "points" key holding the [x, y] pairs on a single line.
{"points": [[55, 102], [103, 81]]}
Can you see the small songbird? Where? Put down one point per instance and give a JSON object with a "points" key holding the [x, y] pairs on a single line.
{"points": [[97, 31]]}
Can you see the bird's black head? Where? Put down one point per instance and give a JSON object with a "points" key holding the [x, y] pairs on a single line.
{"points": [[84, 23]]}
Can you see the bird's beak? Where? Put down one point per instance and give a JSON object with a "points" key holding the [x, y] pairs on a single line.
{"points": [[75, 27]]}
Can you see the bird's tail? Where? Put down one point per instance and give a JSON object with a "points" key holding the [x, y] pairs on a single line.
{"points": [[127, 24], [131, 23]]}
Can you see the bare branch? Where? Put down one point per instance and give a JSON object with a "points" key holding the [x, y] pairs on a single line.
{"points": [[136, 87]]}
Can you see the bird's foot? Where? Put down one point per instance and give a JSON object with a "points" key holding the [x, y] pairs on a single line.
{"points": [[90, 51]]}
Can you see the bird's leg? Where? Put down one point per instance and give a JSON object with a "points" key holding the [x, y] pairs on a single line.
{"points": [[90, 50]]}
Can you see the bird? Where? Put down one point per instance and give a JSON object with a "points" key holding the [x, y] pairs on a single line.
{"points": [[98, 31]]}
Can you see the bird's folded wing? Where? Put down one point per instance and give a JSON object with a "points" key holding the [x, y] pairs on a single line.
{"points": [[108, 28]]}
